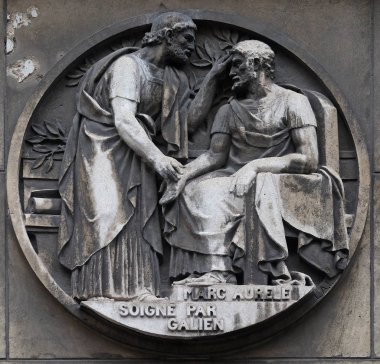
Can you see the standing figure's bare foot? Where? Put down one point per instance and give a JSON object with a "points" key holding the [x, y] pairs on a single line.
{"points": [[149, 297], [188, 279]]}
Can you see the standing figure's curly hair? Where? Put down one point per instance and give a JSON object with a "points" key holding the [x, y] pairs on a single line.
{"points": [[172, 21]]}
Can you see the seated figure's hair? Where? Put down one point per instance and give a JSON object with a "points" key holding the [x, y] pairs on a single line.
{"points": [[173, 21], [254, 49]]}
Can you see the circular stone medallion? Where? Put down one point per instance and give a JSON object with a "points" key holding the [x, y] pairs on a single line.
{"points": [[269, 253]]}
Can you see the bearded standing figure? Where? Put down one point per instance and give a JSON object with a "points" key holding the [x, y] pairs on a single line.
{"points": [[263, 142], [133, 110]]}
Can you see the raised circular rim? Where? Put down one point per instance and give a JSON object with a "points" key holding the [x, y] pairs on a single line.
{"points": [[130, 337]]}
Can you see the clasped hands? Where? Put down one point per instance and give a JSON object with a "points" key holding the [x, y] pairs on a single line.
{"points": [[168, 168], [240, 183], [173, 174]]}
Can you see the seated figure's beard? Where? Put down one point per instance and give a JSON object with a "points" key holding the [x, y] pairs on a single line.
{"points": [[240, 90]]}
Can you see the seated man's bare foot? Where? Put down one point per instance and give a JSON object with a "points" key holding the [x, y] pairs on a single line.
{"points": [[101, 299], [187, 280], [214, 277]]}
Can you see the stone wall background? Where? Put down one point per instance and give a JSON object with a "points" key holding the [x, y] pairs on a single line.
{"points": [[342, 35]]}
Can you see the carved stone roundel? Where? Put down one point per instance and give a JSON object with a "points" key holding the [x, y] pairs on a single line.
{"points": [[187, 176]]}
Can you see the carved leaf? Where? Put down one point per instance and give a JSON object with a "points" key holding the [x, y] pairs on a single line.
{"points": [[226, 33], [36, 139], [50, 163], [84, 68], [225, 45], [72, 83], [214, 49], [61, 131], [38, 162], [38, 130], [49, 132], [52, 127], [219, 33], [41, 148], [234, 37], [201, 52], [227, 37], [201, 63], [209, 48], [208, 52], [75, 75]]}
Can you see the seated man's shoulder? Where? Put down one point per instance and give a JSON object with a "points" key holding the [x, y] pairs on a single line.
{"points": [[290, 95], [299, 110], [224, 109]]}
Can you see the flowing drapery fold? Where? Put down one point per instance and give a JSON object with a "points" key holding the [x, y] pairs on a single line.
{"points": [[109, 194]]}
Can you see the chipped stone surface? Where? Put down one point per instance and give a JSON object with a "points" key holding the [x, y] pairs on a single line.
{"points": [[18, 20], [10, 45], [22, 69]]}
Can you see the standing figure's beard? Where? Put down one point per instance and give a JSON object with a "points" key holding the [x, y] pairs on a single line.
{"points": [[176, 56]]}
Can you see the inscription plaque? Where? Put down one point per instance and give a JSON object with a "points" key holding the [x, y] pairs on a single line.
{"points": [[202, 310]]}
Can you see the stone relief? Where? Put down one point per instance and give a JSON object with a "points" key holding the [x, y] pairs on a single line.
{"points": [[49, 140], [192, 193]]}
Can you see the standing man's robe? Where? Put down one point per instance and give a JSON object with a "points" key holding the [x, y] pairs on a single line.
{"points": [[110, 235]]}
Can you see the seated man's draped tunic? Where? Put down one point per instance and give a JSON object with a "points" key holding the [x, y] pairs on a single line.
{"points": [[206, 225], [110, 234]]}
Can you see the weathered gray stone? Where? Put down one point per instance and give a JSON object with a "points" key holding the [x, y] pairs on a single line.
{"points": [[206, 360], [290, 197], [3, 296], [39, 328], [376, 85], [339, 326], [376, 239], [2, 89], [187, 314], [324, 26]]}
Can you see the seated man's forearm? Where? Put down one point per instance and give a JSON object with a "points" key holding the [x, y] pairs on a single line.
{"points": [[206, 162], [213, 159], [304, 160], [291, 163]]}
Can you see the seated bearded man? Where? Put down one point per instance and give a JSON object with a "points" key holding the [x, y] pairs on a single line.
{"points": [[265, 133]]}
